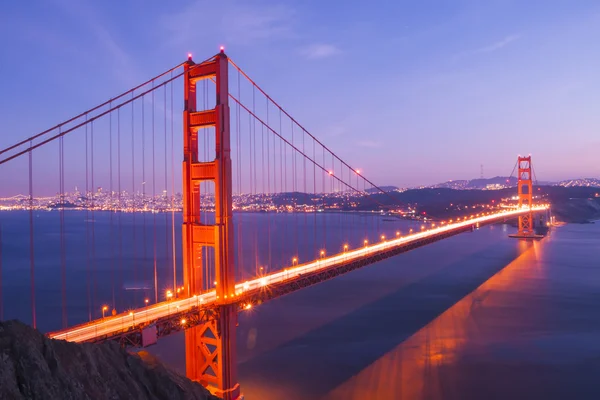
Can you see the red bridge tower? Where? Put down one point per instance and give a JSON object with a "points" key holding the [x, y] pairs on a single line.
{"points": [[210, 347], [525, 192]]}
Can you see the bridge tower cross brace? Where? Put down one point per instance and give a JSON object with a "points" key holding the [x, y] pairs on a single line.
{"points": [[525, 191], [210, 347]]}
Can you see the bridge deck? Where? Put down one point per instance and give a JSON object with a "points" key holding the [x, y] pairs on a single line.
{"points": [[179, 314]]}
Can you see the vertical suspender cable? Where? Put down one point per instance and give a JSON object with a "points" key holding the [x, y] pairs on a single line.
{"points": [[144, 203], [340, 194], [254, 182], [120, 207], [112, 207], [167, 247], [93, 272], [282, 190], [285, 170], [251, 191], [173, 194], [324, 199], [378, 215], [315, 205], [262, 172], [295, 189], [154, 197], [134, 205], [262, 158], [240, 258], [87, 222], [63, 255], [268, 190], [250, 143], [275, 190], [304, 192], [31, 249]]}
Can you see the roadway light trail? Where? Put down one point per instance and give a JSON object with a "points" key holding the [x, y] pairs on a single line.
{"points": [[147, 315]]}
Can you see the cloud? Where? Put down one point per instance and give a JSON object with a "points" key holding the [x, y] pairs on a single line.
{"points": [[123, 64], [498, 45], [369, 143], [316, 51], [333, 131], [252, 24], [240, 23]]}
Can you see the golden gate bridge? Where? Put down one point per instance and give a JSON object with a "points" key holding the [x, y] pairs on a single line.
{"points": [[236, 140]]}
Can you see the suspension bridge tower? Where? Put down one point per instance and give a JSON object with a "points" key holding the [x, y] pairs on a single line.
{"points": [[210, 347], [525, 193]]}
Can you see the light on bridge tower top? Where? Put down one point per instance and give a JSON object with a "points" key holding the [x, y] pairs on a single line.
{"points": [[222, 49], [189, 56]]}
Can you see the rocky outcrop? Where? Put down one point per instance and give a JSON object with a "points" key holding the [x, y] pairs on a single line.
{"points": [[33, 366]]}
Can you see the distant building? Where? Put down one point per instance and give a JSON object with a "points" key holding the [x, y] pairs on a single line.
{"points": [[494, 186]]}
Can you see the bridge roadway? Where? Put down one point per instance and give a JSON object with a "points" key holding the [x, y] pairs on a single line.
{"points": [[178, 314]]}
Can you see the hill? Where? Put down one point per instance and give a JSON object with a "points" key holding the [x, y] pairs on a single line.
{"points": [[569, 204], [33, 366]]}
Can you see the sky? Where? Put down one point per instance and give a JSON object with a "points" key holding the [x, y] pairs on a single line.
{"points": [[411, 92]]}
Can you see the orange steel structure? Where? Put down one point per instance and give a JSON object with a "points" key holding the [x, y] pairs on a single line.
{"points": [[210, 347], [525, 191]]}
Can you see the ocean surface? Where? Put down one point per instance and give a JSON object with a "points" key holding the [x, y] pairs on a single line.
{"points": [[475, 316]]}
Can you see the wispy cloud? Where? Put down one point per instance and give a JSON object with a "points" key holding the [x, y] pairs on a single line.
{"points": [[251, 24], [316, 51], [335, 130], [124, 66], [373, 144], [239, 24], [498, 45]]}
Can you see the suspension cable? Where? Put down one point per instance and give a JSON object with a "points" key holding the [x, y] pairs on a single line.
{"points": [[90, 110], [88, 120], [304, 155], [301, 126]]}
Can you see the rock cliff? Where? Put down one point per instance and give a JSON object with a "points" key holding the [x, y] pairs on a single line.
{"points": [[33, 366]]}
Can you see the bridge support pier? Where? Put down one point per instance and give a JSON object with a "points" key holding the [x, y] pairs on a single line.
{"points": [[525, 192], [210, 354], [211, 347]]}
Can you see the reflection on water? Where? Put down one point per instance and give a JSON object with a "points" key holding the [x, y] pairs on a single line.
{"points": [[476, 316], [413, 370], [473, 317]]}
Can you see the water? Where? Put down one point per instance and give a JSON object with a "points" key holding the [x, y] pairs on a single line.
{"points": [[110, 257], [475, 316]]}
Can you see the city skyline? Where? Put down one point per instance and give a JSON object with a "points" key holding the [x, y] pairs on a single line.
{"points": [[166, 194], [417, 106]]}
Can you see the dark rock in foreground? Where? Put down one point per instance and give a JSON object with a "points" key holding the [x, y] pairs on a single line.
{"points": [[33, 366]]}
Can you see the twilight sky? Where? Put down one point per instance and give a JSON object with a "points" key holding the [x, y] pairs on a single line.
{"points": [[411, 92]]}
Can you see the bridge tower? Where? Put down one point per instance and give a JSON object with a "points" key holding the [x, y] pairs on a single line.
{"points": [[525, 192], [210, 347]]}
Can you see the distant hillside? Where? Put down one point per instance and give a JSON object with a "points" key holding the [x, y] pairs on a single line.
{"points": [[482, 183], [572, 204], [505, 181], [384, 188], [33, 366], [589, 182]]}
